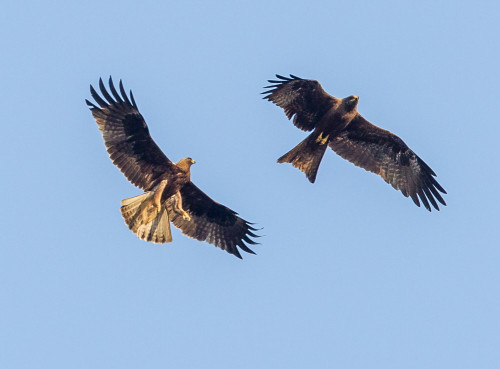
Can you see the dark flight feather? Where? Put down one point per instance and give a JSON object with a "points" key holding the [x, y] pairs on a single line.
{"points": [[383, 153], [128, 141], [304, 99], [212, 222]]}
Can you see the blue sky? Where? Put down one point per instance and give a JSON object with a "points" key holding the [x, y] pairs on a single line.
{"points": [[349, 273]]}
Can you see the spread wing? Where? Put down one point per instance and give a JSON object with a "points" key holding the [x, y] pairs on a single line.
{"points": [[127, 137], [305, 99], [383, 153], [211, 221]]}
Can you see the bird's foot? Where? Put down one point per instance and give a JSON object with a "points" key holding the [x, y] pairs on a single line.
{"points": [[186, 216], [322, 140]]}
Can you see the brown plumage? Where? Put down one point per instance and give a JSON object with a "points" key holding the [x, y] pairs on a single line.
{"points": [[336, 123], [169, 196]]}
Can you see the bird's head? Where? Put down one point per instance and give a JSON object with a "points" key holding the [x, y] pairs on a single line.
{"points": [[185, 164], [350, 102]]}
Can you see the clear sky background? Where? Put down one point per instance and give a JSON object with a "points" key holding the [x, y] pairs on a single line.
{"points": [[349, 273]]}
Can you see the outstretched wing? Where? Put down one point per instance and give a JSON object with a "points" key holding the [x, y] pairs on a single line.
{"points": [[127, 137], [383, 153], [212, 222], [303, 98]]}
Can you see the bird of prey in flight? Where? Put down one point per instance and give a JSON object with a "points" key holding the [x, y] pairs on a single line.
{"points": [[169, 196], [336, 123]]}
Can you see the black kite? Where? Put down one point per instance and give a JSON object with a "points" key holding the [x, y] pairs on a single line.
{"points": [[169, 196], [336, 123]]}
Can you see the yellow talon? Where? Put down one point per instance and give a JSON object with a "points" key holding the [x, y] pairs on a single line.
{"points": [[322, 140]]}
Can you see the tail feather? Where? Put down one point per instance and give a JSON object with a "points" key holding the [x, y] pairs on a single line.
{"points": [[306, 156], [144, 219]]}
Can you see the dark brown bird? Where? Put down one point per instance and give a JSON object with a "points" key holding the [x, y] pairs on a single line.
{"points": [[336, 123], [169, 196]]}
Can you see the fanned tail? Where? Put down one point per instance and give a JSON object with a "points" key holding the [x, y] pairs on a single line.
{"points": [[144, 218], [306, 156]]}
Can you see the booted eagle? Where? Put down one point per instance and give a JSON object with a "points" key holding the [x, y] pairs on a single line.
{"points": [[336, 123], [169, 196]]}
